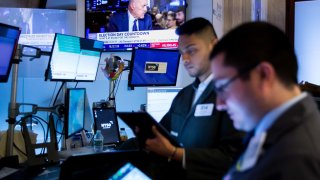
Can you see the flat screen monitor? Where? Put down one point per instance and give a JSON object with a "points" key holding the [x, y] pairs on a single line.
{"points": [[74, 59], [75, 111], [110, 21], [153, 67], [9, 36], [105, 119]]}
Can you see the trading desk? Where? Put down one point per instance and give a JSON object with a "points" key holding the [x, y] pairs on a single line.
{"points": [[82, 164]]}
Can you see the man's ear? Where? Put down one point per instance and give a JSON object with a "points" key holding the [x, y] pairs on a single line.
{"points": [[213, 42], [266, 70]]}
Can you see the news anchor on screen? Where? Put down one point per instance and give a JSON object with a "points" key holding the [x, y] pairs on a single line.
{"points": [[135, 19]]}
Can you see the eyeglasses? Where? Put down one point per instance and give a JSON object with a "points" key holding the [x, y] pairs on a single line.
{"points": [[220, 89]]}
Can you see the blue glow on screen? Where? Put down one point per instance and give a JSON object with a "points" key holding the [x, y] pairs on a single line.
{"points": [[76, 110], [167, 62]]}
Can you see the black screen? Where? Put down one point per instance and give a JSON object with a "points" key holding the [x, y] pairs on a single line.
{"points": [[154, 67], [9, 36], [106, 121]]}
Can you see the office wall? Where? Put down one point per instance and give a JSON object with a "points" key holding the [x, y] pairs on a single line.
{"points": [[306, 40]]}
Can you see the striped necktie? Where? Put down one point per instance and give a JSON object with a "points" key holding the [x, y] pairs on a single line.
{"points": [[135, 27]]}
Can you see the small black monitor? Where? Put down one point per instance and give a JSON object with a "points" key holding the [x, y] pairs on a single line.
{"points": [[105, 119], [154, 67], [9, 36], [75, 111], [74, 59]]}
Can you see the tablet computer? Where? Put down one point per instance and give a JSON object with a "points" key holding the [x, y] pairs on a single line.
{"points": [[144, 122], [129, 171]]}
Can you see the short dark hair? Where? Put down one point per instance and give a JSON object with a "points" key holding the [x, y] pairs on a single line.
{"points": [[181, 8], [254, 42], [196, 26]]}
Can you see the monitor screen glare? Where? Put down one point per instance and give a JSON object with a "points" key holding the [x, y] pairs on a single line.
{"points": [[74, 58], [75, 102]]}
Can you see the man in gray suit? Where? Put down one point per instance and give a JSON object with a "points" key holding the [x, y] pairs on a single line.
{"points": [[256, 83]]}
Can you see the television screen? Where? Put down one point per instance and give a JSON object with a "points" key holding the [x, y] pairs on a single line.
{"points": [[74, 59], [38, 26], [124, 24], [75, 111], [154, 67], [9, 36]]}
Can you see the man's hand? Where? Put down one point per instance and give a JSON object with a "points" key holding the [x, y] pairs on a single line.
{"points": [[162, 146]]}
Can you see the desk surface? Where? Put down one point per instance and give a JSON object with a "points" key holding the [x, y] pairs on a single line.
{"points": [[82, 151]]}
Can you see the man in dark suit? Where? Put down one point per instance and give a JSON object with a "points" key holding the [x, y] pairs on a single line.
{"points": [[256, 83], [135, 19], [209, 139]]}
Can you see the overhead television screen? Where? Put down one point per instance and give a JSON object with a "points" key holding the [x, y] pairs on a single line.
{"points": [[123, 24], [153, 67], [74, 59], [38, 26]]}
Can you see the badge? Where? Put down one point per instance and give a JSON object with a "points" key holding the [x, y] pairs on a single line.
{"points": [[204, 110]]}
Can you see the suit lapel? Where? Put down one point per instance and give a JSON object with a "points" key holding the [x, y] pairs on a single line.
{"points": [[141, 24], [289, 120], [204, 96], [126, 20]]}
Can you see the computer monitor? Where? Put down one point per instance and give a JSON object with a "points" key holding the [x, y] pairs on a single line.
{"points": [[74, 59], [9, 36], [75, 111], [154, 67], [159, 100], [105, 119]]}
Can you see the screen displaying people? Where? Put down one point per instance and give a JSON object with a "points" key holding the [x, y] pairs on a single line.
{"points": [[137, 25], [135, 19]]}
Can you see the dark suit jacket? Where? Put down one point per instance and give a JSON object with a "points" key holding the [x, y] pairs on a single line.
{"points": [[292, 148], [120, 22], [210, 142]]}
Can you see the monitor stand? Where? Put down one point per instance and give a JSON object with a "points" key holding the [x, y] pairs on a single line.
{"points": [[50, 149]]}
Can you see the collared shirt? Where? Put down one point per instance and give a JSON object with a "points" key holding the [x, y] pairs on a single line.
{"points": [[202, 86], [131, 21], [271, 117], [260, 133]]}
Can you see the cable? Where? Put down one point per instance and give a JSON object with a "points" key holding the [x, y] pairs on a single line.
{"points": [[76, 85], [55, 100], [55, 87], [14, 145]]}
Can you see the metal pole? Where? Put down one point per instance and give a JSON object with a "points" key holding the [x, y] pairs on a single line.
{"points": [[12, 112], [111, 93]]}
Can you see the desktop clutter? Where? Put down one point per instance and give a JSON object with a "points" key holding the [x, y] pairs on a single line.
{"points": [[65, 146]]}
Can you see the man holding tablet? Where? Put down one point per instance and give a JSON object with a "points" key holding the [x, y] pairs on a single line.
{"points": [[209, 140]]}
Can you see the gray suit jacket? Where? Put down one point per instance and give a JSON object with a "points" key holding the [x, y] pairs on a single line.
{"points": [[292, 148]]}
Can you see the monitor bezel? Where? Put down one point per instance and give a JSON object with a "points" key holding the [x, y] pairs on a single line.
{"points": [[67, 105], [116, 124], [48, 70], [4, 78], [130, 84]]}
